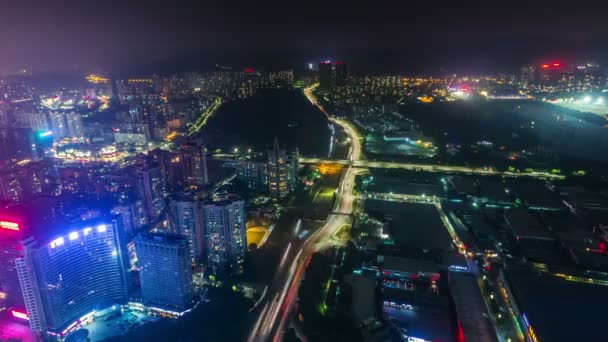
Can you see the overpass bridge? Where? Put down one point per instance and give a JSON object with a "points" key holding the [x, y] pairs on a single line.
{"points": [[430, 168]]}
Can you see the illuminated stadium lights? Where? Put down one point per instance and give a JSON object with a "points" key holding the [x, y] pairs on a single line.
{"points": [[8, 225]]}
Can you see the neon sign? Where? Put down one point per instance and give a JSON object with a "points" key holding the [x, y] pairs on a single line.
{"points": [[9, 225], [19, 314]]}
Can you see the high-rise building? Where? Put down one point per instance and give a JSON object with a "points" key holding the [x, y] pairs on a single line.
{"points": [[74, 125], [38, 122], [10, 250], [252, 173], [224, 222], [282, 172], [341, 73], [66, 274], [164, 270], [326, 79], [187, 220], [194, 162], [150, 185], [58, 125], [10, 187], [17, 144]]}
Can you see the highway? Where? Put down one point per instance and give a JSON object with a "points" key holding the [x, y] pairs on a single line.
{"points": [[429, 168], [202, 120], [282, 293]]}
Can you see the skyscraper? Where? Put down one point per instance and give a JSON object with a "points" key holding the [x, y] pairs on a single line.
{"points": [[10, 250], [194, 162], [187, 220], [341, 73], [325, 75], [224, 222], [165, 270], [68, 273], [281, 172], [74, 125], [150, 185], [17, 143], [58, 125], [252, 173], [38, 121]]}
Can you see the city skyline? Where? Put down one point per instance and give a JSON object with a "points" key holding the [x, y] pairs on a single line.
{"points": [[420, 38], [185, 171]]}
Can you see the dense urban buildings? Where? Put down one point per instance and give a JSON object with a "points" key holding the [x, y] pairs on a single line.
{"points": [[207, 184]]}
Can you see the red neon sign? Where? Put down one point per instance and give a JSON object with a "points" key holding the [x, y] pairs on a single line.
{"points": [[545, 66], [9, 225], [19, 314], [556, 65]]}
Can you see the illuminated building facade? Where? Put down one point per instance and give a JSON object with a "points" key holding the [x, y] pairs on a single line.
{"points": [[70, 275], [165, 270], [225, 235], [58, 125], [74, 125], [38, 121], [253, 174], [10, 250], [150, 186], [281, 172], [194, 162], [187, 221]]}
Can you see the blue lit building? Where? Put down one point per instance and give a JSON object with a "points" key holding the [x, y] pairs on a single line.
{"points": [[67, 275], [165, 271], [224, 221]]}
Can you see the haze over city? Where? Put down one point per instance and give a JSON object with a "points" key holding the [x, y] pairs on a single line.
{"points": [[250, 171]]}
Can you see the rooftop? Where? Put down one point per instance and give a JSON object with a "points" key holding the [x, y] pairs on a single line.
{"points": [[409, 265], [560, 310], [526, 226]]}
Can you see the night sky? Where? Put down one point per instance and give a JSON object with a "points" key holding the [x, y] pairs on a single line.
{"points": [[125, 36]]}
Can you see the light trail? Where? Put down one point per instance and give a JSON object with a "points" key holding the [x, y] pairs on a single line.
{"points": [[297, 228], [274, 318], [284, 257], [260, 299]]}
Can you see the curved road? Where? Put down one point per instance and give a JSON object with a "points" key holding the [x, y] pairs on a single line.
{"points": [[279, 300]]}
